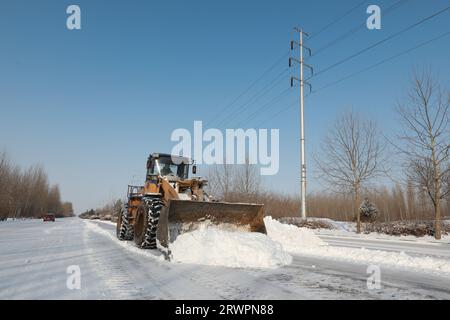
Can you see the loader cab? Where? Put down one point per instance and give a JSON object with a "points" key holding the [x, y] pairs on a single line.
{"points": [[166, 165]]}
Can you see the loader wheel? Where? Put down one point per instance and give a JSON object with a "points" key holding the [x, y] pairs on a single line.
{"points": [[124, 230], [146, 223]]}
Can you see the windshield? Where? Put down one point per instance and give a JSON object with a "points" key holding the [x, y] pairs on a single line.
{"points": [[165, 167]]}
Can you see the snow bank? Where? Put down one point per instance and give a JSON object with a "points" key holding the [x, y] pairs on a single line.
{"points": [[292, 238], [211, 246], [302, 241]]}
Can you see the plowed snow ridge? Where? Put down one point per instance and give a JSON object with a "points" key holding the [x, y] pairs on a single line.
{"points": [[302, 241], [209, 245]]}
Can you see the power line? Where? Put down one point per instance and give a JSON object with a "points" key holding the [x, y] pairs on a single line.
{"points": [[254, 114], [267, 71], [356, 28], [337, 20], [254, 98], [292, 104], [381, 62], [359, 72], [381, 41], [265, 106]]}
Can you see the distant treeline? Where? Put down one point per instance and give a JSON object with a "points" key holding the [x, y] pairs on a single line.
{"points": [[242, 183], [394, 204], [108, 212], [27, 193]]}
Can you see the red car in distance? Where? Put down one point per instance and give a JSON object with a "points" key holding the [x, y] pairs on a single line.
{"points": [[49, 217]]}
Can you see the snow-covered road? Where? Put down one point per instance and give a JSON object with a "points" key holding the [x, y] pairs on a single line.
{"points": [[34, 257]]}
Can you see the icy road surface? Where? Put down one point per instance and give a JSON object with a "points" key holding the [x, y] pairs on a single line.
{"points": [[34, 257]]}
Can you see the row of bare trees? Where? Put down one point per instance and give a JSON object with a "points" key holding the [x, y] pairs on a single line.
{"points": [[354, 155], [109, 211], [397, 202], [28, 193], [235, 183]]}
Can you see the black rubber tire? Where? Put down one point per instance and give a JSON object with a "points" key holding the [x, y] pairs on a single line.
{"points": [[146, 224], [124, 230]]}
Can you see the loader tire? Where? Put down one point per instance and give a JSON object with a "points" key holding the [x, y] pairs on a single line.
{"points": [[147, 222], [124, 230]]}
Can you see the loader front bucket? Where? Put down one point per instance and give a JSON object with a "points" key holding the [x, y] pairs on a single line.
{"points": [[182, 216]]}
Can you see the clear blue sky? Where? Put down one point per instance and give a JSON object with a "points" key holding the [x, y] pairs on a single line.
{"points": [[90, 105]]}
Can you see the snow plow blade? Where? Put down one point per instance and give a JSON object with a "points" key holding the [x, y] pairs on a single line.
{"points": [[182, 216]]}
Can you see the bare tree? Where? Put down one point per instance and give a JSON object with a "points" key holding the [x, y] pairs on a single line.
{"points": [[411, 199], [351, 156], [235, 182], [54, 200], [27, 193], [400, 205], [247, 181], [446, 183], [5, 192], [220, 180], [426, 137], [67, 209]]}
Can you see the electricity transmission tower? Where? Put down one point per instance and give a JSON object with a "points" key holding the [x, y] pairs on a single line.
{"points": [[302, 81]]}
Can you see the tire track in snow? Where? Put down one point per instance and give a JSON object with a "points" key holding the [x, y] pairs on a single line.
{"points": [[115, 279], [154, 274]]}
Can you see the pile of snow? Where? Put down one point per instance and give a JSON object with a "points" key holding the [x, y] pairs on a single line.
{"points": [[302, 241], [209, 245], [291, 237]]}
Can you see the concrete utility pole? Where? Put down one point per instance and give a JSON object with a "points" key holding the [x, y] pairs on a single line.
{"points": [[302, 109]]}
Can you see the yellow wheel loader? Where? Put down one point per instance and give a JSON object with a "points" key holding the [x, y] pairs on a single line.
{"points": [[171, 203]]}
